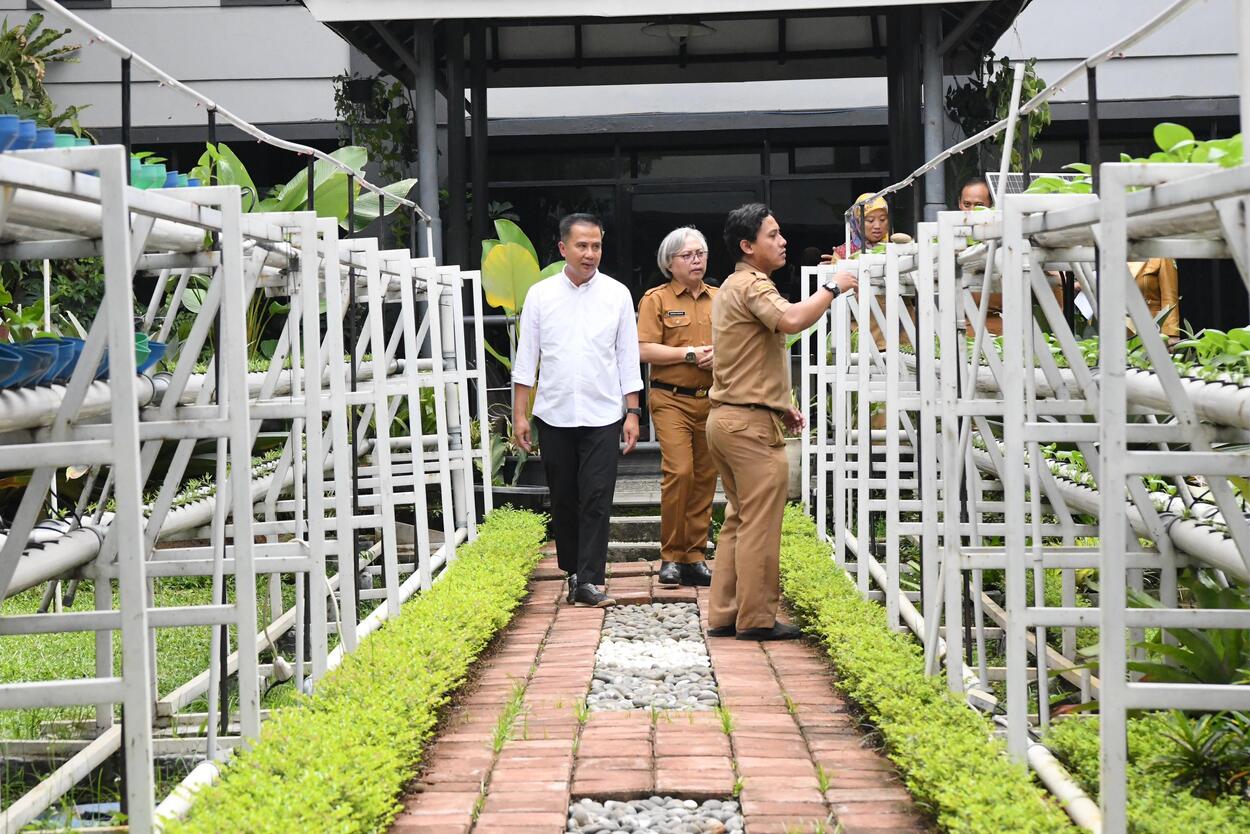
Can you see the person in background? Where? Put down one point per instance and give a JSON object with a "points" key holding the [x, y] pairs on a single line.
{"points": [[578, 325], [1159, 283], [675, 339], [974, 194], [870, 225], [751, 397]]}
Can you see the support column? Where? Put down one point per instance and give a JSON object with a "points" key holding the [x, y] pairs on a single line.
{"points": [[456, 251], [905, 114], [477, 109], [934, 112], [427, 140]]}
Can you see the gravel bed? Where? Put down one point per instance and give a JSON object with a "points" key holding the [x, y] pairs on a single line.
{"points": [[661, 814], [652, 657]]}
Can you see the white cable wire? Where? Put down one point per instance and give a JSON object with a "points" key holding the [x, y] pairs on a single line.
{"points": [[1115, 50], [208, 104]]}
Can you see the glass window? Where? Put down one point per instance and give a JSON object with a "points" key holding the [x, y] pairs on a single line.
{"points": [[571, 165], [670, 164], [810, 214], [538, 209]]}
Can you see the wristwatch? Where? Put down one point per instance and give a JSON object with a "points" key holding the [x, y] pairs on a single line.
{"points": [[690, 356], [637, 412], [832, 286]]}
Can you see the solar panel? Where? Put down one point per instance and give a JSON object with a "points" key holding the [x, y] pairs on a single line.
{"points": [[1016, 184]]}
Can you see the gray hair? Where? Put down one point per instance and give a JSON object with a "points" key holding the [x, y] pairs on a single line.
{"points": [[672, 244]]}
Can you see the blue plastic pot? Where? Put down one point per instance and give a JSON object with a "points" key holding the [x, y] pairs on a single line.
{"points": [[157, 351], [45, 137], [8, 130], [193, 182], [26, 131], [37, 359], [171, 179], [10, 362], [65, 355], [63, 140]]}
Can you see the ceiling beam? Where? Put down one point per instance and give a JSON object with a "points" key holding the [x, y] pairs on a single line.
{"points": [[961, 28]]}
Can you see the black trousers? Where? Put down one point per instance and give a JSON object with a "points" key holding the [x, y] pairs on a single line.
{"points": [[581, 474]]}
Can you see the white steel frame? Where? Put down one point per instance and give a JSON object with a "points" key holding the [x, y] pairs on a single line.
{"points": [[301, 505]]}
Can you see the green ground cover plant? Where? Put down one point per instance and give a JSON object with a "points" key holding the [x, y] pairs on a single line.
{"points": [[1158, 801], [946, 754], [337, 762]]}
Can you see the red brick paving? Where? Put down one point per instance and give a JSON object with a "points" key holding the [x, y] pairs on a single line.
{"points": [[791, 735]]}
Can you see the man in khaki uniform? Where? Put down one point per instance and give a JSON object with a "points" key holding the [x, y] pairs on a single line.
{"points": [[751, 399], [675, 339]]}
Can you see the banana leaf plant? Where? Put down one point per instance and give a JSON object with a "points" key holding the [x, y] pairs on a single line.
{"points": [[509, 269], [221, 166]]}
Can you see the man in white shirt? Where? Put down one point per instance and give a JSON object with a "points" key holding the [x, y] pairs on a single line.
{"points": [[579, 325]]}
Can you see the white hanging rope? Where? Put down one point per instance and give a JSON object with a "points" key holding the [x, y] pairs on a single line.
{"points": [[1115, 50], [211, 106]]}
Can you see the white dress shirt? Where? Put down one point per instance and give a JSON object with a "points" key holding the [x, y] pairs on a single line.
{"points": [[586, 341]]}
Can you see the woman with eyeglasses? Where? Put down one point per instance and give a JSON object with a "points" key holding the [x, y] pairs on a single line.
{"points": [[675, 339]]}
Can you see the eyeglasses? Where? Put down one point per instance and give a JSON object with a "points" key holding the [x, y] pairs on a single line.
{"points": [[691, 257]]}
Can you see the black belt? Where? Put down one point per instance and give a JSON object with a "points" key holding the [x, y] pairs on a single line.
{"points": [[759, 406], [697, 393]]}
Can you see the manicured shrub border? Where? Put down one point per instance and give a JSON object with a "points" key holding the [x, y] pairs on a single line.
{"points": [[338, 762], [1154, 805], [949, 761]]}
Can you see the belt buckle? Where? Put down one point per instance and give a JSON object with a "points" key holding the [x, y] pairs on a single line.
{"points": [[700, 393]]}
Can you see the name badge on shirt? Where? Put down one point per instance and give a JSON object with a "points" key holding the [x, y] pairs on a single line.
{"points": [[675, 313]]}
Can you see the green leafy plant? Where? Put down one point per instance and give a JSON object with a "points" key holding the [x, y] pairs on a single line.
{"points": [[1209, 754], [509, 270], [346, 753], [1156, 804], [945, 751], [985, 98], [25, 52], [1217, 655]]}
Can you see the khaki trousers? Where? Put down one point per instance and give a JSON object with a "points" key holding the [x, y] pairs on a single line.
{"points": [[750, 452], [688, 475]]}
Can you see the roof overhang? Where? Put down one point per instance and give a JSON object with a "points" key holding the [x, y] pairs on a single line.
{"points": [[329, 11], [561, 43]]}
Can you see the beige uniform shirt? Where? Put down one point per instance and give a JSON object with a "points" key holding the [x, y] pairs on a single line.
{"points": [[672, 315], [752, 365]]}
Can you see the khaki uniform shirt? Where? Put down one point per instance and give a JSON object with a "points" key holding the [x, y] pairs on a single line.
{"points": [[672, 315], [752, 365], [1160, 285]]}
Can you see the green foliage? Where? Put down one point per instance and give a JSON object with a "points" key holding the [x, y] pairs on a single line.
{"points": [[1215, 655], [1155, 804], [985, 98], [339, 762], [944, 749], [25, 52], [1176, 143], [221, 166], [1209, 755]]}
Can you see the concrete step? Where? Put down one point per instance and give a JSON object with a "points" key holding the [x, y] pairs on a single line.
{"points": [[635, 528], [642, 491], [638, 551]]}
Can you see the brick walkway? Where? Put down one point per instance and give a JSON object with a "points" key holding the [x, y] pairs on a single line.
{"points": [[792, 754]]}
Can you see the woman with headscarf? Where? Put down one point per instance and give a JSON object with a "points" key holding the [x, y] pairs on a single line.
{"points": [[869, 225]]}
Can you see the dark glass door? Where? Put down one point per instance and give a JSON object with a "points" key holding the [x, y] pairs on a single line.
{"points": [[651, 211]]}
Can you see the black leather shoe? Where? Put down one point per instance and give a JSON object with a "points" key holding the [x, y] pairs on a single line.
{"points": [[670, 573], [779, 631], [696, 574], [722, 631], [572, 586], [592, 597]]}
